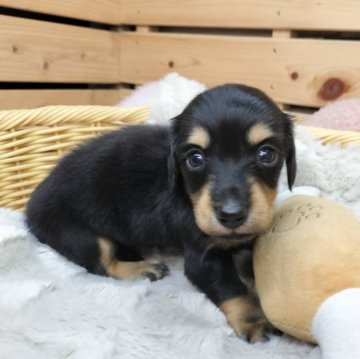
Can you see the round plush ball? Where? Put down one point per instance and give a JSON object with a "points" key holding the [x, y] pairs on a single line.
{"points": [[311, 252]]}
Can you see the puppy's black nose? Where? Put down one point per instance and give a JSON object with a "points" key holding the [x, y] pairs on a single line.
{"points": [[231, 214]]}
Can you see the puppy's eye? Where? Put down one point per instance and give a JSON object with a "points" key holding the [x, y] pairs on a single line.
{"points": [[267, 155], [195, 161]]}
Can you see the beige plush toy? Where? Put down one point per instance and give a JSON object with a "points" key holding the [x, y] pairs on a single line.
{"points": [[302, 267]]}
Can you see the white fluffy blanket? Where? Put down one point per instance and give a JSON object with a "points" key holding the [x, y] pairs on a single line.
{"points": [[50, 308]]}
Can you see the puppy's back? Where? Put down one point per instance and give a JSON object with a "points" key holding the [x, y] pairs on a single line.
{"points": [[100, 178]]}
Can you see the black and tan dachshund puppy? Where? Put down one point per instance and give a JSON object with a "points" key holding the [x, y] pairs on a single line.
{"points": [[206, 183]]}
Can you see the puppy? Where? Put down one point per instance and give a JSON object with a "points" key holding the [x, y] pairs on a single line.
{"points": [[206, 183]]}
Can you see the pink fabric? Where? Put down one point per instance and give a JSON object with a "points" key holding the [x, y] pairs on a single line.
{"points": [[339, 115]]}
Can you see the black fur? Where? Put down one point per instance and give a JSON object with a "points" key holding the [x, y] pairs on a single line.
{"points": [[134, 187]]}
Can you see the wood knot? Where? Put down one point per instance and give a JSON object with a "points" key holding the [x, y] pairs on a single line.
{"points": [[171, 64], [332, 89], [294, 75], [46, 65]]}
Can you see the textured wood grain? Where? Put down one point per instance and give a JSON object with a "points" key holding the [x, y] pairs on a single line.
{"points": [[303, 72], [16, 99], [258, 14], [41, 51], [105, 11]]}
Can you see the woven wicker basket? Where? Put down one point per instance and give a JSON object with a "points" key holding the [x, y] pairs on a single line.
{"points": [[334, 136], [32, 141]]}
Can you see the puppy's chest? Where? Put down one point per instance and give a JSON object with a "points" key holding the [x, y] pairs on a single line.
{"points": [[162, 226], [155, 232]]}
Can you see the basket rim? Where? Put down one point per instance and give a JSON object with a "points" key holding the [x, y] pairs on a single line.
{"points": [[62, 114], [330, 135]]}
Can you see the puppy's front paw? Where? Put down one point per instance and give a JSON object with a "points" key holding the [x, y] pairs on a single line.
{"points": [[151, 269], [254, 329], [155, 270], [247, 319]]}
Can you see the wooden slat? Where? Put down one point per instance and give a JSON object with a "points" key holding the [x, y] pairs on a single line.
{"points": [[299, 117], [302, 72], [259, 14], [297, 14], [40, 51], [15, 99], [125, 92], [104, 11]]}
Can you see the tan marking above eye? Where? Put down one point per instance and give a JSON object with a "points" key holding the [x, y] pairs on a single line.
{"points": [[258, 133], [199, 137]]}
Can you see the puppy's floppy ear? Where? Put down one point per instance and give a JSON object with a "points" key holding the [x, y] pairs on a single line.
{"points": [[172, 165], [290, 151]]}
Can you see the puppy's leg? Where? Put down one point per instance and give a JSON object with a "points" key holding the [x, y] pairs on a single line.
{"points": [[244, 314], [244, 265], [133, 267], [67, 236], [216, 276], [99, 256]]}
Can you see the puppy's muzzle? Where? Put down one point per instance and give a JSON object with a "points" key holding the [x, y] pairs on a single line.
{"points": [[231, 214]]}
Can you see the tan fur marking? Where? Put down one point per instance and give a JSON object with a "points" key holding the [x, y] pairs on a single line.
{"points": [[124, 270], [246, 318], [261, 209], [200, 137], [258, 133], [204, 213], [259, 219], [262, 198]]}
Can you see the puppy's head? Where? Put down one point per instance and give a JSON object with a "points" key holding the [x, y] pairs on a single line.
{"points": [[229, 146]]}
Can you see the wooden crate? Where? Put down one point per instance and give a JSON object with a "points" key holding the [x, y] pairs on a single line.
{"points": [[303, 53], [59, 52], [102, 11]]}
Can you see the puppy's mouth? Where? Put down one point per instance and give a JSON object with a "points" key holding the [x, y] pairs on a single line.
{"points": [[233, 236], [242, 234], [231, 240]]}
